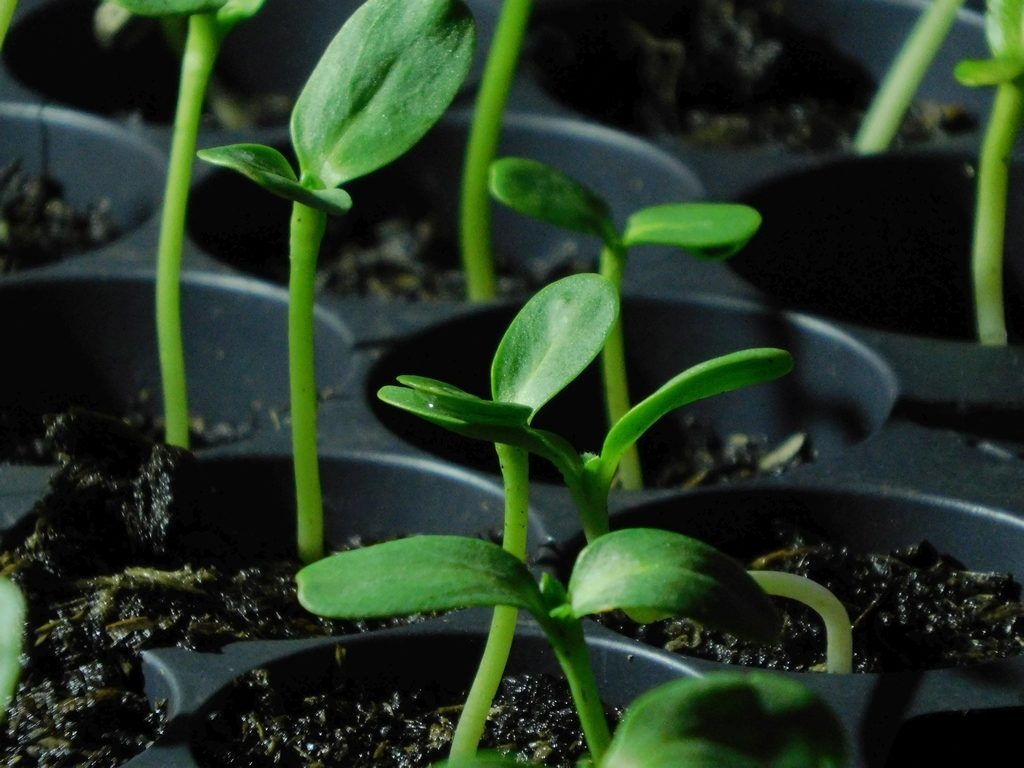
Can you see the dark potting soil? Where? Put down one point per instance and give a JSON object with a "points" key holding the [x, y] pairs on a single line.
{"points": [[911, 609], [37, 225], [120, 556], [717, 73], [360, 723]]}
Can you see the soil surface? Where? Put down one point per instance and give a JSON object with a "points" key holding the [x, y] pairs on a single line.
{"points": [[911, 609], [717, 73], [38, 227], [123, 555], [354, 724]]}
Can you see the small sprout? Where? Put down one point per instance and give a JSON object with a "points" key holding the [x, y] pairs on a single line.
{"points": [[384, 80], [634, 569], [1004, 27], [711, 231]]}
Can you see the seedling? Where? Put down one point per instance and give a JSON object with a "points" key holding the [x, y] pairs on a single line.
{"points": [[648, 572], [1004, 28], [588, 476], [484, 134], [707, 230], [896, 91], [12, 624], [385, 79], [209, 22]]}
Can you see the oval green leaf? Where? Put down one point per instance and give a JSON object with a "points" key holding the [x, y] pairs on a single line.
{"points": [[711, 231], [272, 171], [729, 719], [416, 575], [12, 625], [384, 80], [656, 573], [712, 377], [546, 194], [170, 7], [1004, 28], [554, 337], [449, 399], [987, 72]]}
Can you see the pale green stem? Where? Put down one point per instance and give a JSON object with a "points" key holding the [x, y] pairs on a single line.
{"points": [[12, 628], [484, 134], [590, 496], [838, 631], [307, 229], [515, 473], [613, 369], [6, 14], [201, 48], [990, 213], [896, 92]]}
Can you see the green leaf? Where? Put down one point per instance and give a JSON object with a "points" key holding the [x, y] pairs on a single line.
{"points": [[235, 11], [713, 377], [1004, 28], [541, 192], [554, 337], [384, 80], [12, 625], [984, 72], [728, 719], [414, 575], [654, 574], [452, 401], [272, 171], [170, 7], [707, 230]]}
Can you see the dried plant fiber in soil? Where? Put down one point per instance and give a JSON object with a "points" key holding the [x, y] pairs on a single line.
{"points": [[911, 609], [104, 567], [357, 723]]}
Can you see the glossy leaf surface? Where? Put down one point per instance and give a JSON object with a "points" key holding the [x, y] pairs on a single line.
{"points": [[712, 377], [271, 170], [384, 80], [554, 337], [418, 574], [544, 193], [439, 397], [1004, 27], [655, 574], [711, 231], [728, 719]]}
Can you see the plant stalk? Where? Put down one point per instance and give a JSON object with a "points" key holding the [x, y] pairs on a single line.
{"points": [[307, 229], [201, 48], [613, 369], [470, 728], [838, 633], [990, 212], [484, 134], [892, 100]]}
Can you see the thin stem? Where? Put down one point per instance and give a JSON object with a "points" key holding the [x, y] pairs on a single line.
{"points": [[990, 212], [896, 92], [515, 473], [201, 48], [838, 632], [307, 229], [6, 14], [475, 212], [566, 637], [613, 369]]}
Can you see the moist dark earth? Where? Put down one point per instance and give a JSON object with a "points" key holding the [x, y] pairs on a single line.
{"points": [[726, 74], [38, 226]]}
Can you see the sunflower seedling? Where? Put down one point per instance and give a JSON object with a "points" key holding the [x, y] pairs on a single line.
{"points": [[1004, 28], [648, 572], [385, 79], [706, 230]]}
